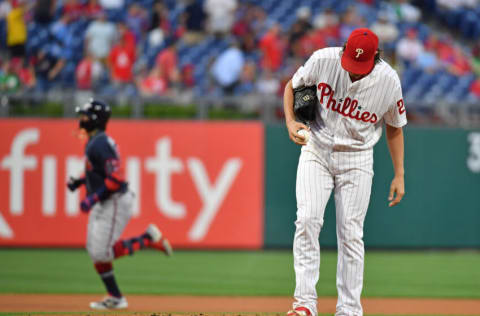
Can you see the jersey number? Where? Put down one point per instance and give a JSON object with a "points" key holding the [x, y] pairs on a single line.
{"points": [[401, 106]]}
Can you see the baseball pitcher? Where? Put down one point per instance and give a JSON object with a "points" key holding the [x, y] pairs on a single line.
{"points": [[357, 94], [109, 204]]}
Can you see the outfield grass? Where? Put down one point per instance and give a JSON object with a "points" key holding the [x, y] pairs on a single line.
{"points": [[387, 274]]}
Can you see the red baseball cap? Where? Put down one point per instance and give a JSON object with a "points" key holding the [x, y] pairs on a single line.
{"points": [[359, 54]]}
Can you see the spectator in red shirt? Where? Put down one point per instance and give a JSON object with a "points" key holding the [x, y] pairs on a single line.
{"points": [[154, 84], [167, 61], [475, 88], [128, 36], [26, 74], [458, 64], [73, 9], [272, 47], [311, 42], [87, 73], [121, 61], [92, 9], [188, 79]]}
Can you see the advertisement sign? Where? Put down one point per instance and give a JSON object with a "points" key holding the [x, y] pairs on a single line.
{"points": [[201, 183]]}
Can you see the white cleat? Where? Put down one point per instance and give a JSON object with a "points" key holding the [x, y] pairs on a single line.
{"points": [[154, 233], [158, 242], [110, 302]]}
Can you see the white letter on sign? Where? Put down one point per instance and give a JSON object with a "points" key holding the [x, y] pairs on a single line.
{"points": [[17, 162], [75, 166], [212, 196], [49, 185], [473, 160], [133, 178], [163, 165]]}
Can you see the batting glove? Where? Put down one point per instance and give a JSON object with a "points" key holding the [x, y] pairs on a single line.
{"points": [[87, 203], [74, 183]]}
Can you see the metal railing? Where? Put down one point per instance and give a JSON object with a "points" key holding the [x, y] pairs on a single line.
{"points": [[268, 108]]}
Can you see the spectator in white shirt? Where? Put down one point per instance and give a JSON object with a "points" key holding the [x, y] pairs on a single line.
{"points": [[409, 47], [100, 36], [221, 15]]}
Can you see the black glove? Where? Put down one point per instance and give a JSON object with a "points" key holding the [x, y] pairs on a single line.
{"points": [[74, 183], [305, 103]]}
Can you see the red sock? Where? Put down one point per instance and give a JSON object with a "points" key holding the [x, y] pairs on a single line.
{"points": [[128, 247], [105, 270]]}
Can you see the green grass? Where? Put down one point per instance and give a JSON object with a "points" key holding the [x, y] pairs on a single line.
{"points": [[387, 274]]}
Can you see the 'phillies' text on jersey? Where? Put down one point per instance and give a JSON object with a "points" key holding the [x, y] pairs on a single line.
{"points": [[349, 108]]}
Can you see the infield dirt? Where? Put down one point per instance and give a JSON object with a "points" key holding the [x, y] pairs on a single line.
{"points": [[235, 305]]}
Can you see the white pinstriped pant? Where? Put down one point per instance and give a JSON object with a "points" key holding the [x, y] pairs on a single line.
{"points": [[350, 175]]}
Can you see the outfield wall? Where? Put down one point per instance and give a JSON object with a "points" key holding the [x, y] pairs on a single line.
{"points": [[201, 182], [230, 185], [441, 207]]}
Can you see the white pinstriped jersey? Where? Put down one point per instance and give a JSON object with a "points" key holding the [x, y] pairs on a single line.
{"points": [[351, 115]]}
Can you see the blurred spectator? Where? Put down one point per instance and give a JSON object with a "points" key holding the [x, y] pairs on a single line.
{"points": [[428, 61], [112, 4], [268, 84], [99, 37], [327, 25], [221, 15], [298, 30], [247, 79], [227, 68], [167, 61], [476, 59], [9, 81], [302, 25], [475, 88], [241, 26], [121, 61], [26, 74], [160, 17], [92, 8], [154, 84], [258, 19], [44, 11], [73, 8], [156, 37], [187, 76], [405, 11], [249, 24], [409, 47], [5, 8], [455, 4], [443, 47], [193, 21], [386, 31], [128, 37], [62, 34], [272, 47], [50, 62], [350, 21], [137, 21], [458, 64], [310, 42], [89, 71], [16, 29]]}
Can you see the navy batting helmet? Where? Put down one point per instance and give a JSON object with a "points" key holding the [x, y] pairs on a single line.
{"points": [[98, 114]]}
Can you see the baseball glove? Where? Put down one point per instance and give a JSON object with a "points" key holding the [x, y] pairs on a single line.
{"points": [[305, 103]]}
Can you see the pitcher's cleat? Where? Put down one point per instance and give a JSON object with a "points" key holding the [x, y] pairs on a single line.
{"points": [[299, 311]]}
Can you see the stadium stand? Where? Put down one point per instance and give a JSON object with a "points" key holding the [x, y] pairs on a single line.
{"points": [[162, 47]]}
